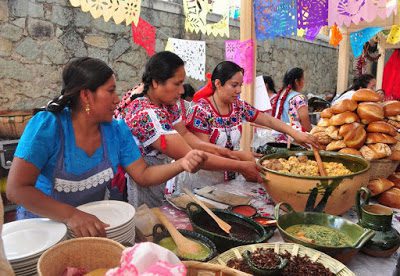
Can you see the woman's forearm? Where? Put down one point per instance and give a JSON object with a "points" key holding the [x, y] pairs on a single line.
{"points": [[271, 122]]}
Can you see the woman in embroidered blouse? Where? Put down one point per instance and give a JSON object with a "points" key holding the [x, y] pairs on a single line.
{"points": [[290, 105], [219, 113], [69, 152], [156, 123]]}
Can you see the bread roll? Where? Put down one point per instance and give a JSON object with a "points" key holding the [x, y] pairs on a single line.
{"points": [[317, 129], [395, 146], [391, 108], [347, 117], [390, 198], [323, 122], [395, 178], [382, 127], [348, 128], [370, 112], [375, 151], [379, 185], [355, 139], [333, 132], [394, 123], [366, 95], [373, 138], [395, 156], [322, 138], [350, 151], [326, 113], [335, 145], [394, 118], [343, 106]]}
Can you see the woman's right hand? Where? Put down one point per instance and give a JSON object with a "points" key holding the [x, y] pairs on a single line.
{"points": [[193, 161], [86, 225], [250, 171]]}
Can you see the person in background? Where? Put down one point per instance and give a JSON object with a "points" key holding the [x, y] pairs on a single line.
{"points": [[70, 149], [155, 121], [217, 117], [363, 81], [270, 85], [290, 105], [186, 99]]}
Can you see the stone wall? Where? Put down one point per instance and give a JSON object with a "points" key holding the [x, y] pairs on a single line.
{"points": [[37, 37]]}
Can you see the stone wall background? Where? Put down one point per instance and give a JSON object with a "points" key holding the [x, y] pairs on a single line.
{"points": [[37, 37]]}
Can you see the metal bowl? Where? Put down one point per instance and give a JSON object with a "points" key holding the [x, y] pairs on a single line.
{"points": [[357, 234], [295, 189]]}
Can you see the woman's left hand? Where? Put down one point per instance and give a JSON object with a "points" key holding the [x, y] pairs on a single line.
{"points": [[306, 139], [193, 160]]}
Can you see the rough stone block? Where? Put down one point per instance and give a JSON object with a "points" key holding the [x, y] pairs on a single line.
{"points": [[5, 47], [11, 32], [28, 48], [72, 41], [110, 26], [61, 15], [23, 8], [3, 10], [98, 53], [124, 72], [135, 58], [96, 41], [54, 50], [82, 19], [60, 2], [40, 29], [119, 48], [14, 70], [20, 22]]}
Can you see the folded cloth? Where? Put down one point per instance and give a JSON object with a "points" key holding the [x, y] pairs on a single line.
{"points": [[148, 259]]}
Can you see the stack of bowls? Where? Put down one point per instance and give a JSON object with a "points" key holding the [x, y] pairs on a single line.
{"points": [[118, 215], [26, 240]]}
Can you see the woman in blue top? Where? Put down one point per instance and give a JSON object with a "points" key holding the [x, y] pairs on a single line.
{"points": [[69, 152]]}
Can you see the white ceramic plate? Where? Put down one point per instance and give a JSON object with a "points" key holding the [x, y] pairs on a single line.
{"points": [[113, 212], [25, 238]]}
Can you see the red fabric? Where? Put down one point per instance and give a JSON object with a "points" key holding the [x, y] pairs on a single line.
{"points": [[391, 73], [144, 34], [119, 180], [163, 143], [204, 92]]}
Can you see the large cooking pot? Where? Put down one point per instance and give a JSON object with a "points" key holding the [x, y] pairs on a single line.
{"points": [[295, 189], [250, 231], [357, 234]]}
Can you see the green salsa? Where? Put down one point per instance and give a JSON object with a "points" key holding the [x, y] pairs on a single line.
{"points": [[320, 235], [169, 244]]}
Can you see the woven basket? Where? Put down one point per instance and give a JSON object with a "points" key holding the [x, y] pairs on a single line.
{"points": [[295, 249], [382, 168], [207, 269], [88, 253], [12, 123]]}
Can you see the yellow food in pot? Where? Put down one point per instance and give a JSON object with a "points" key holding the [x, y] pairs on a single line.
{"points": [[303, 166]]}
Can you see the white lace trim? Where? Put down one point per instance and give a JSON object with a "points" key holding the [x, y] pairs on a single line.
{"points": [[69, 186]]}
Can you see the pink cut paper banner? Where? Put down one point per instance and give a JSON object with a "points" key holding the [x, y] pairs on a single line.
{"points": [[241, 53]]}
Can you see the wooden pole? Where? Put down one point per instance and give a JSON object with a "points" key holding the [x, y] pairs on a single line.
{"points": [[343, 62], [247, 31]]}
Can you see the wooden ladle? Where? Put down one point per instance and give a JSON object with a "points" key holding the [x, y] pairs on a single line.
{"points": [[184, 245], [321, 168], [222, 224]]}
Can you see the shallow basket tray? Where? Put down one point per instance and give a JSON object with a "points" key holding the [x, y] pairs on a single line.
{"points": [[207, 269], [294, 249], [382, 168]]}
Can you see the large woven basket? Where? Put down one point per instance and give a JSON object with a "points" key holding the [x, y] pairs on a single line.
{"points": [[12, 123], [382, 168], [207, 269], [295, 249], [88, 253]]}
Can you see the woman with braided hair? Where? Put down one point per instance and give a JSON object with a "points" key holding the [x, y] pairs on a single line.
{"points": [[70, 150], [289, 105]]}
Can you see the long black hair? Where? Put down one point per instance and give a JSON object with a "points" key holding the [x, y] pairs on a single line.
{"points": [[270, 82], [188, 91], [291, 76], [359, 82], [224, 71], [80, 73]]}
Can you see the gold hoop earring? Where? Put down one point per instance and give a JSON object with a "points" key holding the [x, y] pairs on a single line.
{"points": [[87, 109]]}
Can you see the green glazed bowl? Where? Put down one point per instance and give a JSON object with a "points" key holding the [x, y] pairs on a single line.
{"points": [[357, 234]]}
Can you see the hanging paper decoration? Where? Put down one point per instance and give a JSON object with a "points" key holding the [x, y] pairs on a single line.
{"points": [[358, 39], [241, 52], [275, 18], [336, 36], [345, 12], [196, 18], [193, 53], [144, 34], [394, 35], [128, 10], [312, 13]]}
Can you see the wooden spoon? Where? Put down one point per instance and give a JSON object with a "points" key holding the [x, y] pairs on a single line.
{"points": [[222, 224], [321, 168], [184, 245]]}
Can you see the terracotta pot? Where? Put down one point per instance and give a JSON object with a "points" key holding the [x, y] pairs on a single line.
{"points": [[295, 189]]}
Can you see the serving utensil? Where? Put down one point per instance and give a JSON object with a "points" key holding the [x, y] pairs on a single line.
{"points": [[184, 245], [321, 168], [222, 224]]}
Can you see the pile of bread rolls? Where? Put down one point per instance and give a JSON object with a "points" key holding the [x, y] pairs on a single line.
{"points": [[363, 126], [387, 190]]}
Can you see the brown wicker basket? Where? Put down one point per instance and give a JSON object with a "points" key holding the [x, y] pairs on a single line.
{"points": [[207, 269], [88, 253], [12, 123], [382, 168]]}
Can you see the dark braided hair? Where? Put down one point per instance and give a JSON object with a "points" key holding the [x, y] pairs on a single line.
{"points": [[80, 73], [160, 67], [224, 71], [289, 82]]}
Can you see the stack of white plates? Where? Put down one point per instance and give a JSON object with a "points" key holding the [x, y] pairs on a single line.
{"points": [[118, 214], [25, 240]]}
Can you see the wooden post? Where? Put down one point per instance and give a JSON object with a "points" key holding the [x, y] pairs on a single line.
{"points": [[247, 31], [343, 62]]}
